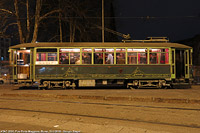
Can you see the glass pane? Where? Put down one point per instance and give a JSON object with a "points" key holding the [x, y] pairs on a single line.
{"points": [[153, 58], [155, 50], [70, 50], [132, 58], [109, 50], [120, 50], [158, 50], [173, 57], [109, 58], [64, 58], [26, 59], [137, 50], [23, 57], [15, 56], [103, 50], [11, 56], [52, 56], [98, 50], [74, 58], [86, 58], [41, 57], [173, 72], [186, 71], [186, 57], [86, 50], [120, 58], [142, 58], [98, 58], [164, 59]]}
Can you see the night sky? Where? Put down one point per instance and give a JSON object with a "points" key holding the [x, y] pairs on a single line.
{"points": [[176, 19]]}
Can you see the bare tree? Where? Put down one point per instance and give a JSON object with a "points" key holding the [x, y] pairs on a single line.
{"points": [[18, 18], [47, 20], [39, 18]]}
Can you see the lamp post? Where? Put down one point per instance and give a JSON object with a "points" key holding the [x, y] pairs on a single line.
{"points": [[102, 21]]}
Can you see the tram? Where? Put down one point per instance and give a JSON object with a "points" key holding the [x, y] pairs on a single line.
{"points": [[152, 63]]}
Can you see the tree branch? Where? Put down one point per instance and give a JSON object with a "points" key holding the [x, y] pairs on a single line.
{"points": [[49, 13], [4, 30], [5, 10]]}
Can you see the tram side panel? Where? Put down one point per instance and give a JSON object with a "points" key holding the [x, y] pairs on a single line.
{"points": [[125, 73]]}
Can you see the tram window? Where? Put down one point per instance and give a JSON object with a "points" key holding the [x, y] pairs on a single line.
{"points": [[69, 56], [70, 50], [15, 57], [120, 50], [98, 58], [52, 56], [86, 56], [120, 55], [158, 56], [46, 57], [103, 56], [46, 50], [41, 57], [11, 57], [164, 59], [190, 57], [120, 58], [87, 50], [109, 58], [23, 57], [137, 56], [74, 58], [64, 58], [173, 57], [132, 58], [186, 57], [153, 58], [142, 58]]}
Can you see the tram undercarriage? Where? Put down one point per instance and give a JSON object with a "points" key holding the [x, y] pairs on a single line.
{"points": [[123, 83]]}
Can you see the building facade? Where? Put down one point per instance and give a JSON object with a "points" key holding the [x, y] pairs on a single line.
{"points": [[4, 46]]}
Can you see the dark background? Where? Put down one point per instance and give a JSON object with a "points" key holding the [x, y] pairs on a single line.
{"points": [[176, 19]]}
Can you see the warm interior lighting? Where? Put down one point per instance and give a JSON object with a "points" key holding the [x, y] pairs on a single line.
{"points": [[70, 50]]}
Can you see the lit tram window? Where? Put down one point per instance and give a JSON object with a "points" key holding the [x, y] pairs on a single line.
{"points": [[137, 56], [159, 56], [86, 56], [23, 57], [103, 56], [120, 55], [46, 57], [70, 50], [69, 56]]}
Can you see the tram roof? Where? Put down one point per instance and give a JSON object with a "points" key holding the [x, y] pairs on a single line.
{"points": [[99, 44]]}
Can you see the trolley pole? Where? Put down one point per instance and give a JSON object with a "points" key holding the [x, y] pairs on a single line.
{"points": [[103, 21]]}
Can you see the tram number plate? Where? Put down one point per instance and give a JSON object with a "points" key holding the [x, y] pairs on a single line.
{"points": [[85, 83]]}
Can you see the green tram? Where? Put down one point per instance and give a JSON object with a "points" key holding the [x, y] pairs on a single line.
{"points": [[134, 64]]}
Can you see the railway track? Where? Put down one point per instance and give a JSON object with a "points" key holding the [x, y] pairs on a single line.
{"points": [[102, 117], [196, 126], [95, 103]]}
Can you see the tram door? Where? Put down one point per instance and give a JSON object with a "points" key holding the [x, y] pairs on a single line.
{"points": [[23, 64], [187, 63], [182, 64], [173, 65]]}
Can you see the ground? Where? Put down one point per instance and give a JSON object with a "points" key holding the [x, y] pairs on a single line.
{"points": [[99, 110]]}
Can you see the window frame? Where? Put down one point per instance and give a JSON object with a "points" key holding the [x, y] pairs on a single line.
{"points": [[46, 62]]}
